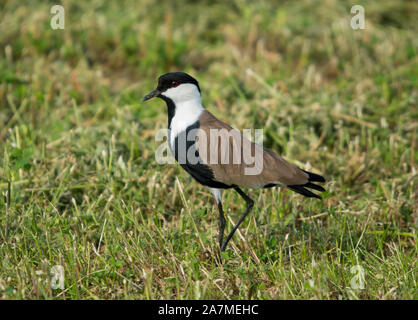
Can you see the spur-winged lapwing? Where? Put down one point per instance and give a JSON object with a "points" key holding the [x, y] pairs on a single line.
{"points": [[216, 164]]}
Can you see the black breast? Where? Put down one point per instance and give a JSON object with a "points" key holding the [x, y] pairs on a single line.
{"points": [[188, 157]]}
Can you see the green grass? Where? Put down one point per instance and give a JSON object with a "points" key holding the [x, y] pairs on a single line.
{"points": [[80, 186]]}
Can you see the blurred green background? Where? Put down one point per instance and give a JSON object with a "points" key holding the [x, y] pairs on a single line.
{"points": [[80, 186]]}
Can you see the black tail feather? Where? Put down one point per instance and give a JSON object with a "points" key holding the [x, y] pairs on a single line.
{"points": [[303, 191], [314, 186]]}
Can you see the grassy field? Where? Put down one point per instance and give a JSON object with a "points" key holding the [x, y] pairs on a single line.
{"points": [[80, 186]]}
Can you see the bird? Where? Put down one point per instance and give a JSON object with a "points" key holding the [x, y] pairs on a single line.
{"points": [[189, 138]]}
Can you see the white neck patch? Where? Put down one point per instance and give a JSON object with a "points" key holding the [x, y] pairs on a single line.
{"points": [[188, 104]]}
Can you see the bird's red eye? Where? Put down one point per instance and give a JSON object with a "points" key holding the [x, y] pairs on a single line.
{"points": [[174, 84]]}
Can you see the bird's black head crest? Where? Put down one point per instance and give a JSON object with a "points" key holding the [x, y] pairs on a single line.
{"points": [[171, 80], [174, 79]]}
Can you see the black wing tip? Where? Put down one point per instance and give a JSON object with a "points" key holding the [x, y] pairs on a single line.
{"points": [[313, 177], [302, 188]]}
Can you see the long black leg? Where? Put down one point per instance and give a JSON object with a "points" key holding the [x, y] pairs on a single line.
{"points": [[221, 223], [250, 204]]}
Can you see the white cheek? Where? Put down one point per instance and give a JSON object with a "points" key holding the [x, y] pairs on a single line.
{"points": [[171, 93], [183, 92]]}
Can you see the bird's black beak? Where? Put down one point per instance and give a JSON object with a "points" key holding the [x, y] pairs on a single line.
{"points": [[151, 95]]}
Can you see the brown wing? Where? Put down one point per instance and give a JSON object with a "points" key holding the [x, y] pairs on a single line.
{"points": [[235, 160]]}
